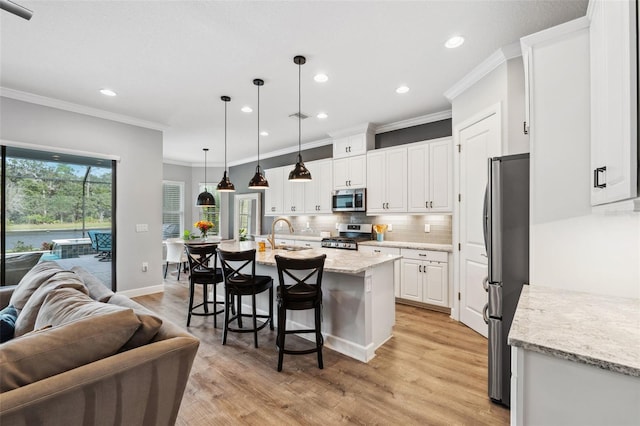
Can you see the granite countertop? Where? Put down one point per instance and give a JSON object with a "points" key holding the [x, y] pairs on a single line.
{"points": [[603, 331], [409, 245], [341, 261]]}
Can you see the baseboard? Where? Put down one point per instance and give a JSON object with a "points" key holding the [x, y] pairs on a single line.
{"points": [[424, 306], [143, 291]]}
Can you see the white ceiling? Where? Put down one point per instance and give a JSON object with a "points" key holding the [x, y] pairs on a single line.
{"points": [[170, 61]]}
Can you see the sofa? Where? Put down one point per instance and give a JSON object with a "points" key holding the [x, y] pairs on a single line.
{"points": [[83, 355]]}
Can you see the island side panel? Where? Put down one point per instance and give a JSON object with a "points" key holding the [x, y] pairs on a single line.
{"points": [[379, 282]]}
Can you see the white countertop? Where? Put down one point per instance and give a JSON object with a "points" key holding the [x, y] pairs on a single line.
{"points": [[341, 261], [397, 244], [409, 245], [602, 331]]}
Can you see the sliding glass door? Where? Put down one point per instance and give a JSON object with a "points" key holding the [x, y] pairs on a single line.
{"points": [[57, 207]]}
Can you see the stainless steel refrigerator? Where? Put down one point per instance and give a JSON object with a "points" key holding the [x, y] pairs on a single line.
{"points": [[506, 232]]}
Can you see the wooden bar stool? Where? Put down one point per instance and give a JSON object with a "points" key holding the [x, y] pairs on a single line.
{"points": [[300, 289], [240, 279]]}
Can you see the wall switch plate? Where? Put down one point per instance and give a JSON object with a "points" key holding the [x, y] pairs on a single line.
{"points": [[145, 266], [389, 227], [142, 227], [427, 227]]}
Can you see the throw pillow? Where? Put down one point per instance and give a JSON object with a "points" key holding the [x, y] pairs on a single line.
{"points": [[7, 323], [33, 279], [97, 289], [27, 316], [150, 323], [55, 350]]}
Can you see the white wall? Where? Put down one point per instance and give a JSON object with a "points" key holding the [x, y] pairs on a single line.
{"points": [[503, 85], [139, 176], [573, 246]]}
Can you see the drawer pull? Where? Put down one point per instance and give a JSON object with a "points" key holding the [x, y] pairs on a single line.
{"points": [[422, 254]]}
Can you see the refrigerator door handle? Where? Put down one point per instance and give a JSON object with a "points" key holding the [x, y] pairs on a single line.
{"points": [[485, 219], [485, 284]]}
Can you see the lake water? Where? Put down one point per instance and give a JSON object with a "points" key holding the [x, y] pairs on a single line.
{"points": [[36, 238]]}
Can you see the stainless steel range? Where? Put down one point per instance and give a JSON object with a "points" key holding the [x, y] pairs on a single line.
{"points": [[349, 236]]}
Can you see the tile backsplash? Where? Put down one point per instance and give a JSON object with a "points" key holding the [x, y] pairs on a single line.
{"points": [[405, 227]]}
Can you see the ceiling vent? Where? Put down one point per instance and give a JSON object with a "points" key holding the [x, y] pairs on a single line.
{"points": [[296, 115]]}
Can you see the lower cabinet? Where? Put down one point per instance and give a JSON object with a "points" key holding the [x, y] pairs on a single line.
{"points": [[386, 250], [425, 277]]}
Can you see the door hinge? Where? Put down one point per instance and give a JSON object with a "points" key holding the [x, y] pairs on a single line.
{"points": [[459, 148], [459, 296], [459, 246], [459, 197]]}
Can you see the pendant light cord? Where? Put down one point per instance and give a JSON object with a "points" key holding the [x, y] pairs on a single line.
{"points": [[299, 114], [258, 127], [225, 136], [205, 169]]}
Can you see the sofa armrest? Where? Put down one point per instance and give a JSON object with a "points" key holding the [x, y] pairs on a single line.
{"points": [[5, 295], [141, 386]]}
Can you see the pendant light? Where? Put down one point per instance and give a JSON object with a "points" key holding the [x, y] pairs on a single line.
{"points": [[225, 184], [300, 173], [205, 198], [258, 180]]}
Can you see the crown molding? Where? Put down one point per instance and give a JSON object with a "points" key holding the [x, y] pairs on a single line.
{"points": [[555, 32], [361, 128], [496, 59], [80, 109], [423, 119]]}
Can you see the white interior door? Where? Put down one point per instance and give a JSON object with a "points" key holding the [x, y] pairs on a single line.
{"points": [[478, 142]]}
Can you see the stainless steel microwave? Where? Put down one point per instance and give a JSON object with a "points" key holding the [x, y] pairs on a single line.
{"points": [[349, 200]]}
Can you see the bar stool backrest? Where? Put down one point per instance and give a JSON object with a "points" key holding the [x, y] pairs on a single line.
{"points": [[238, 267], [200, 258], [300, 279]]}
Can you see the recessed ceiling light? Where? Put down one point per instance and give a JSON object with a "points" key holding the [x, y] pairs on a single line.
{"points": [[322, 115], [246, 109], [402, 89], [264, 133], [108, 92], [321, 78], [455, 41]]}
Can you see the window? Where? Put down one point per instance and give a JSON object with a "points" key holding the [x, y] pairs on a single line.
{"points": [[53, 204], [211, 214], [172, 209]]}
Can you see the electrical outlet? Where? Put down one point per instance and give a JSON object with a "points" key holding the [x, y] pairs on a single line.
{"points": [[427, 227], [389, 227], [145, 266]]}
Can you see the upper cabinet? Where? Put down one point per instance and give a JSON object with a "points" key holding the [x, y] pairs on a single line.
{"points": [[350, 172], [317, 195], [614, 101], [352, 142], [387, 180], [430, 183], [273, 196]]}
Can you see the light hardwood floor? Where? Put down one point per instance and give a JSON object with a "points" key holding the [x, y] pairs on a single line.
{"points": [[433, 371]]}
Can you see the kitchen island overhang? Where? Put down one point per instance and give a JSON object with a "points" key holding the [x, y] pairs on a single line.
{"points": [[357, 296]]}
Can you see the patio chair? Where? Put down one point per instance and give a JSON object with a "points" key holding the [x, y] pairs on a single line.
{"points": [[103, 245]]}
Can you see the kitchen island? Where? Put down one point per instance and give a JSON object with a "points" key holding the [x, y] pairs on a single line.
{"points": [[357, 297], [575, 358]]}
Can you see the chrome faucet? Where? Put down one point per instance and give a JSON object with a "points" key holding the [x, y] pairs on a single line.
{"points": [[272, 238]]}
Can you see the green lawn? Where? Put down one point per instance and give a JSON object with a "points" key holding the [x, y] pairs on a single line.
{"points": [[56, 226]]}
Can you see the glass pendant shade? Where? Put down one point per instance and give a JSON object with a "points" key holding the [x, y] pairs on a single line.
{"points": [[258, 181], [225, 184], [299, 173], [205, 198]]}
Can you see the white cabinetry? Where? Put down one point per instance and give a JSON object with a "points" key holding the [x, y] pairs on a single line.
{"points": [[430, 186], [273, 195], [386, 180], [307, 243], [350, 172], [317, 193], [349, 146], [614, 103], [394, 251], [425, 277], [293, 195]]}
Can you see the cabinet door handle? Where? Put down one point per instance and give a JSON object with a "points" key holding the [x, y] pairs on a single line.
{"points": [[426, 204], [600, 171], [524, 128], [346, 149], [430, 204], [420, 268], [376, 251]]}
